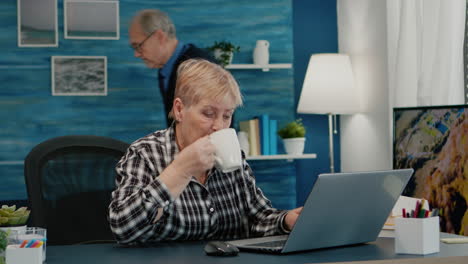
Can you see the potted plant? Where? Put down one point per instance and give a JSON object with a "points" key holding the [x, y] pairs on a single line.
{"points": [[4, 236], [11, 218], [223, 51], [293, 135]]}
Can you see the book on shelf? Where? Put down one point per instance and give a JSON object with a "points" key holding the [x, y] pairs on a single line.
{"points": [[251, 127], [265, 134], [262, 135], [258, 149], [273, 138]]}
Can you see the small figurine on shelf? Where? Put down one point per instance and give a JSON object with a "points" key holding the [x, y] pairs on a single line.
{"points": [[223, 51], [293, 135]]}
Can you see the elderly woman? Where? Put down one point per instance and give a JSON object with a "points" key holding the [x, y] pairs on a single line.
{"points": [[167, 185]]}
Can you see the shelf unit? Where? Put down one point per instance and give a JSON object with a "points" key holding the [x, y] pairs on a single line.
{"points": [[256, 66], [283, 156]]}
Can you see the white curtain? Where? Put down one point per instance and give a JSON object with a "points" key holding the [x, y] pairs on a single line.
{"points": [[362, 33], [404, 53], [425, 52]]}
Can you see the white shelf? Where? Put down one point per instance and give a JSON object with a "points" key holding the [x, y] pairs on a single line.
{"points": [[256, 66], [283, 156]]}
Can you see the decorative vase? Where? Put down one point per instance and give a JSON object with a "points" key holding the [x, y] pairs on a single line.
{"points": [[261, 55], [294, 146]]}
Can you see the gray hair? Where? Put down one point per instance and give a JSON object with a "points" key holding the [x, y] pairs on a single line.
{"points": [[151, 20]]}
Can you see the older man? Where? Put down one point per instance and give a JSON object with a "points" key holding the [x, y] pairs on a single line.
{"points": [[153, 39]]}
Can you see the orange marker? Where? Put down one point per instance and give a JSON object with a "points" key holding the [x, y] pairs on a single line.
{"points": [[24, 243]]}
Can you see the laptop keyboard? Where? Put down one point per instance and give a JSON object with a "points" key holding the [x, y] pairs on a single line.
{"points": [[278, 243]]}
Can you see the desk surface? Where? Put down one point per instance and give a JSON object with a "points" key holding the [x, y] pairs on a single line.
{"points": [[192, 252]]}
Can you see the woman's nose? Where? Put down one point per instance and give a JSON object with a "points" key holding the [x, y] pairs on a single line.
{"points": [[218, 124]]}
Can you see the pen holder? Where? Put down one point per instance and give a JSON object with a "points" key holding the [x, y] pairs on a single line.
{"points": [[28, 236], [417, 235], [17, 255]]}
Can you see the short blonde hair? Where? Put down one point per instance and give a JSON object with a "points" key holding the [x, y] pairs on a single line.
{"points": [[199, 79]]}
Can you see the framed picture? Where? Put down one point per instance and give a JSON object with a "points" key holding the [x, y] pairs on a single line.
{"points": [[79, 75], [87, 19], [37, 23]]}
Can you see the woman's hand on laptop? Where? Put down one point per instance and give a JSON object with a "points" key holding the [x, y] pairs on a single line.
{"points": [[291, 218]]}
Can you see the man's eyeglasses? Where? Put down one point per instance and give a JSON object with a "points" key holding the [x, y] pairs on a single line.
{"points": [[138, 46]]}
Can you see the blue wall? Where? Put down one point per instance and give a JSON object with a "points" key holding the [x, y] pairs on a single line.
{"points": [[133, 108], [315, 31]]}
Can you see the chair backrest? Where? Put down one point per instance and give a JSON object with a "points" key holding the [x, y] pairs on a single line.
{"points": [[69, 181]]}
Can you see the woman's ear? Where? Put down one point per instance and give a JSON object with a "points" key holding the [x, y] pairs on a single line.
{"points": [[177, 109]]}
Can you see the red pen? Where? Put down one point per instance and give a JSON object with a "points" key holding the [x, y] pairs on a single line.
{"points": [[416, 209]]}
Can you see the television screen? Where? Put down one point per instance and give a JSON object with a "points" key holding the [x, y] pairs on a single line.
{"points": [[434, 142]]}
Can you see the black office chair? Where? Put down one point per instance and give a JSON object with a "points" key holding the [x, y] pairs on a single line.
{"points": [[69, 181]]}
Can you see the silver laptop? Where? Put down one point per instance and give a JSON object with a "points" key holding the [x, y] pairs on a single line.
{"points": [[341, 209]]}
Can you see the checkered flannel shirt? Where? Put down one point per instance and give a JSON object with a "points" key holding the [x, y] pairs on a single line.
{"points": [[228, 206]]}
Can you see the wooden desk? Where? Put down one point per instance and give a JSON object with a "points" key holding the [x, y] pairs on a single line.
{"points": [[192, 252]]}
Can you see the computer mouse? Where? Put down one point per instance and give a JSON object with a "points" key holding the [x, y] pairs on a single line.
{"points": [[220, 248]]}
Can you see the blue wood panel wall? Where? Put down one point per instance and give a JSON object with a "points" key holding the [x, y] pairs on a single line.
{"points": [[315, 30], [29, 114]]}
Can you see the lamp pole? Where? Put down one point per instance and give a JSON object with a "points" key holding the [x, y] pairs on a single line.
{"points": [[330, 135]]}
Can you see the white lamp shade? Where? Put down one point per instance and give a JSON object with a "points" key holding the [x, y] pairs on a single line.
{"points": [[329, 86]]}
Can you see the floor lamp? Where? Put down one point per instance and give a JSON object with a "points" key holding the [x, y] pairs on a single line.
{"points": [[329, 88]]}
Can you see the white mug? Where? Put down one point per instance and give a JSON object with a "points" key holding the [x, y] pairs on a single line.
{"points": [[228, 153], [243, 138]]}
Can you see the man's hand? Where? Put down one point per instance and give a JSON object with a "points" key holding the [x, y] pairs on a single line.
{"points": [[291, 218]]}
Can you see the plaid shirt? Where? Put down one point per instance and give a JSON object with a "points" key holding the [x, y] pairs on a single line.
{"points": [[228, 206]]}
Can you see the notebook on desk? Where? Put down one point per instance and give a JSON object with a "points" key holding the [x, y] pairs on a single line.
{"points": [[341, 209]]}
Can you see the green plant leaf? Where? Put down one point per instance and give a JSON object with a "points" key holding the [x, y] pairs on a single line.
{"points": [[293, 129], [3, 240], [24, 218], [5, 213], [9, 216], [224, 46], [14, 220]]}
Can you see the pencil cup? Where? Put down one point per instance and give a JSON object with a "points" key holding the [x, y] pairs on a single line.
{"points": [[418, 236], [31, 237], [17, 255]]}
